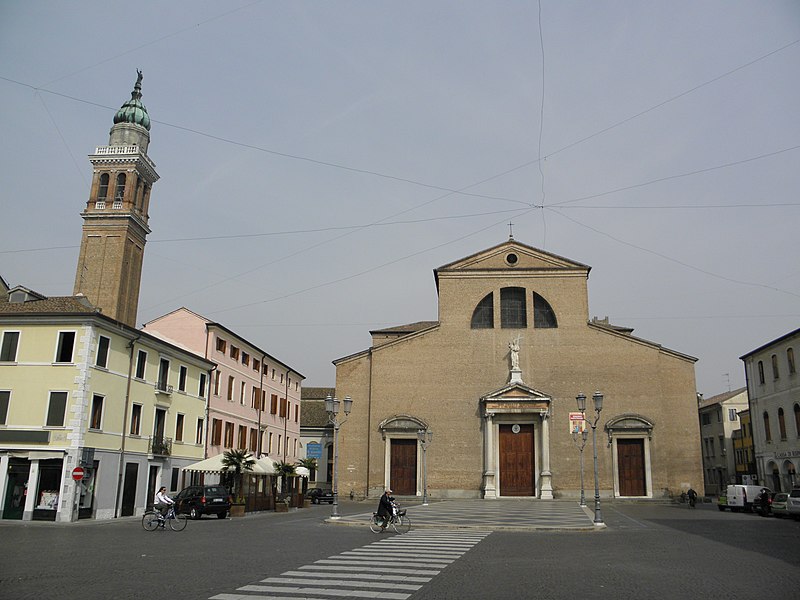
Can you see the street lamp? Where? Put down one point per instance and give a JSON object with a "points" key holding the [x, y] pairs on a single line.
{"points": [[332, 408], [597, 398], [581, 435], [425, 436]]}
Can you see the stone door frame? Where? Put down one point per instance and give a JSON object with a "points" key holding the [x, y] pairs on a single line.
{"points": [[516, 403]]}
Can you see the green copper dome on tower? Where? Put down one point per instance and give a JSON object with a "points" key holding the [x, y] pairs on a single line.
{"points": [[133, 111]]}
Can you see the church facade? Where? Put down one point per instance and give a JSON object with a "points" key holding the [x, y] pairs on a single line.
{"points": [[495, 380]]}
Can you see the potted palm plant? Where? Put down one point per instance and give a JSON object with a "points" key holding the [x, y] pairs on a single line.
{"points": [[235, 463], [284, 470]]}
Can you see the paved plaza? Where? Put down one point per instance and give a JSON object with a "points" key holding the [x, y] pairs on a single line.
{"points": [[495, 515]]}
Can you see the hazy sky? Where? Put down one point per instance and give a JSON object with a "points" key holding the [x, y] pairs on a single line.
{"points": [[311, 155]]}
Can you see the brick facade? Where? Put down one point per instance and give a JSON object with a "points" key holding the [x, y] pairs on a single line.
{"points": [[456, 380]]}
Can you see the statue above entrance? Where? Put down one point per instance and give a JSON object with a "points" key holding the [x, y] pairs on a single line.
{"points": [[516, 372]]}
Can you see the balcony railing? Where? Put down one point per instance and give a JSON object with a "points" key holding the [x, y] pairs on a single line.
{"points": [[160, 446], [163, 388]]}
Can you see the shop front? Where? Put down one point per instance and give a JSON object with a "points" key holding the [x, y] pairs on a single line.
{"points": [[32, 485]]}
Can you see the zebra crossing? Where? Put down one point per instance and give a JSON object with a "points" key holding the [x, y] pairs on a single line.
{"points": [[391, 568]]}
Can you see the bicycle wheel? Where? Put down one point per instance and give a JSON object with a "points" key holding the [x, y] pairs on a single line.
{"points": [[178, 522], [401, 524], [150, 521], [375, 524]]}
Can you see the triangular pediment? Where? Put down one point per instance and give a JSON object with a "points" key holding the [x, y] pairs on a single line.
{"points": [[513, 256], [515, 392]]}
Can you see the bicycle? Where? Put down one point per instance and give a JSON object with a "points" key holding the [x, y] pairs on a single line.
{"points": [[152, 519], [399, 521]]}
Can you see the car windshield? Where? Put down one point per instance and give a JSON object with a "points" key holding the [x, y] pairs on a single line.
{"points": [[216, 490]]}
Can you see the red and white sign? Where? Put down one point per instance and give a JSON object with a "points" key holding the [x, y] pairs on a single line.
{"points": [[77, 473], [577, 423]]}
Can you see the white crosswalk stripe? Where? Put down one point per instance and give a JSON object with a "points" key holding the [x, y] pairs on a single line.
{"points": [[392, 568]]}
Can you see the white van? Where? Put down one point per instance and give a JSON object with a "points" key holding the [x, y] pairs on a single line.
{"points": [[741, 497]]}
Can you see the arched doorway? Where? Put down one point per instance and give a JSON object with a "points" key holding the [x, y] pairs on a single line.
{"points": [[629, 435], [401, 462]]}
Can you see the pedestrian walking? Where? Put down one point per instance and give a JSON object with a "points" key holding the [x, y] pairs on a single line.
{"points": [[692, 495]]}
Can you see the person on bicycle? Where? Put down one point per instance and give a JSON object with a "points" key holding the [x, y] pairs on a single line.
{"points": [[692, 495], [386, 507], [162, 501]]}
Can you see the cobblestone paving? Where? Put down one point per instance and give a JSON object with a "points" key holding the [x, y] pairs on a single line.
{"points": [[502, 514], [391, 568]]}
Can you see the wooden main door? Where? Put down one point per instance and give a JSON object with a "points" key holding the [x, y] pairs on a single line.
{"points": [[403, 468], [630, 464], [517, 476]]}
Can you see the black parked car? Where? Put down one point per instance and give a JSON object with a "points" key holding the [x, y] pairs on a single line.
{"points": [[199, 500], [319, 496]]}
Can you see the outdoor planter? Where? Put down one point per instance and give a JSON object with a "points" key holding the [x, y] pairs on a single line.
{"points": [[281, 507], [237, 510]]}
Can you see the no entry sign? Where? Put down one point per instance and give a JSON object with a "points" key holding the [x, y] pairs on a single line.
{"points": [[77, 473]]}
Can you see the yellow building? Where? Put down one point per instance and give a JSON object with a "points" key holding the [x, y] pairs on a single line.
{"points": [[495, 379], [81, 390], [95, 415]]}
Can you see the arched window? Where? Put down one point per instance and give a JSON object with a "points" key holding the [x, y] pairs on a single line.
{"points": [[119, 191], [102, 191], [797, 419], [767, 433], [790, 360], [761, 372], [483, 315], [543, 315], [513, 308], [774, 367]]}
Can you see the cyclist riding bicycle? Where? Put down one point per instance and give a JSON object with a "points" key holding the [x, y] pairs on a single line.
{"points": [[386, 507], [162, 502]]}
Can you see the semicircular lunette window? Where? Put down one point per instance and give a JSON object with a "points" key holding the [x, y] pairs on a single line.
{"points": [[483, 315], [543, 315]]}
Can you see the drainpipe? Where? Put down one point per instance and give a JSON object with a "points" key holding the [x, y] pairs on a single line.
{"points": [[286, 416], [369, 419], [131, 345], [260, 404], [208, 401]]}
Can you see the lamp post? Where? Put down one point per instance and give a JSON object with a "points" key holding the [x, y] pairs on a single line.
{"points": [[332, 408], [425, 436], [597, 398], [583, 435]]}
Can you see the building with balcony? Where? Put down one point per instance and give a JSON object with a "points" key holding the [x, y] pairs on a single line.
{"points": [[719, 420], [80, 389], [773, 387], [254, 399]]}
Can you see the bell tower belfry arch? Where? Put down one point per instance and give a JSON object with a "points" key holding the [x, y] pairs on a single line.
{"points": [[115, 218]]}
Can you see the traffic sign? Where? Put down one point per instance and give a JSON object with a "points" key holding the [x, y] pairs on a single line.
{"points": [[77, 473]]}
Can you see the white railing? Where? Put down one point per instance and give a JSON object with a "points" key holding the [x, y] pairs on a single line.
{"points": [[133, 149]]}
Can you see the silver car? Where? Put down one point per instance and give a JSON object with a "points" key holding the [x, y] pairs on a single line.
{"points": [[793, 503], [780, 505]]}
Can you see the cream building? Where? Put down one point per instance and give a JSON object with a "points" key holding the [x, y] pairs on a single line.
{"points": [[80, 387], [81, 390], [719, 420], [495, 379], [773, 386]]}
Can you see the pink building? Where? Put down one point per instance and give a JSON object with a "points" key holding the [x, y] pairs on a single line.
{"points": [[250, 390]]}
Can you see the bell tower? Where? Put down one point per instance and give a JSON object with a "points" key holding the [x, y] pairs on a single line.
{"points": [[115, 218]]}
